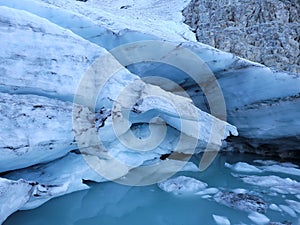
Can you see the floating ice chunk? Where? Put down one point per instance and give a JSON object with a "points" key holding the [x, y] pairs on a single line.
{"points": [[190, 167], [294, 205], [275, 207], [258, 218], [270, 166], [272, 162], [221, 220], [273, 166], [266, 162], [206, 196], [243, 167], [288, 210], [289, 164], [182, 185], [274, 183], [282, 169], [240, 191], [208, 191]]}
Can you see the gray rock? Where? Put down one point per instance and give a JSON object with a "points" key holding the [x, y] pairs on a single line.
{"points": [[245, 202], [267, 32]]}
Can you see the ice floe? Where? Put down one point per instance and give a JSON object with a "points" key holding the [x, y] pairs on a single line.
{"points": [[182, 185], [221, 220], [243, 167], [294, 205], [267, 166], [288, 210], [258, 218], [274, 183], [275, 207]]}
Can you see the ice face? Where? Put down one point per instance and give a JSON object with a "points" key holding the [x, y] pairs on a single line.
{"points": [[53, 80], [35, 129], [39, 80], [39, 113], [246, 110]]}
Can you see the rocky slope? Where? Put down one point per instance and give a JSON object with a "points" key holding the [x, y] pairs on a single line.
{"points": [[262, 31]]}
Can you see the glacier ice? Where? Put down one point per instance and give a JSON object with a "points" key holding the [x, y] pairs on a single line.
{"points": [[68, 173], [34, 129], [248, 106], [37, 90], [51, 70], [13, 195], [54, 81], [38, 82]]}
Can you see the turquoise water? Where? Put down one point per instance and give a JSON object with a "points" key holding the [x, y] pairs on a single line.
{"points": [[114, 204]]}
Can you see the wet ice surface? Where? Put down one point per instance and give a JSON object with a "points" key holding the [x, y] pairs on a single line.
{"points": [[241, 189]]}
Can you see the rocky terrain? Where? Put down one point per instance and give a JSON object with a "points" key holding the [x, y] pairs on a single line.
{"points": [[266, 31]]}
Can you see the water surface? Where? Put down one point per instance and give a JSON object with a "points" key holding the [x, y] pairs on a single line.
{"points": [[115, 204]]}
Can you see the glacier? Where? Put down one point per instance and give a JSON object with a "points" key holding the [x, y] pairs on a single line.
{"points": [[246, 109], [249, 111], [37, 108], [39, 81]]}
